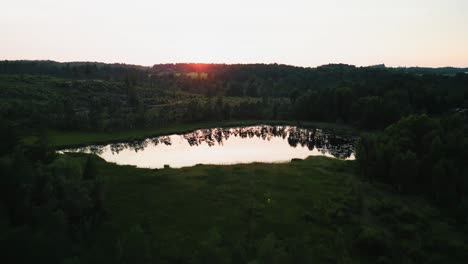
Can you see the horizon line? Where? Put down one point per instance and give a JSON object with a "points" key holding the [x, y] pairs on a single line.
{"points": [[235, 63]]}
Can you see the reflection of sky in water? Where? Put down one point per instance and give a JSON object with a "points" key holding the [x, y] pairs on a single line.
{"points": [[226, 146]]}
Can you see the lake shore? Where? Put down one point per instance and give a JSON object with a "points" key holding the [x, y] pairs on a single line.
{"points": [[70, 139]]}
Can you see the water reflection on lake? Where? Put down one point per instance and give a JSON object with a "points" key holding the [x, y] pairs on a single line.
{"points": [[226, 146]]}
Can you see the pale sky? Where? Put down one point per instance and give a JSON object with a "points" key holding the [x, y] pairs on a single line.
{"points": [[297, 32]]}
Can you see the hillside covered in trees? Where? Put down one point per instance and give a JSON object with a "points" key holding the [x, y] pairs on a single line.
{"points": [[111, 97]]}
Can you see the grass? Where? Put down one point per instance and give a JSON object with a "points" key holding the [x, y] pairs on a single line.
{"points": [[316, 207], [63, 139], [243, 202]]}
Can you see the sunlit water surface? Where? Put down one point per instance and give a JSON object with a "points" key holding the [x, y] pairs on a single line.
{"points": [[226, 146]]}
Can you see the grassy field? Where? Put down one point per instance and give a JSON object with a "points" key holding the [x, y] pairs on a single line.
{"points": [[62, 139], [308, 211]]}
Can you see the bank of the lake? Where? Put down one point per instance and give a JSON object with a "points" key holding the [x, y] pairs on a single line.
{"points": [[313, 210], [222, 146], [66, 139]]}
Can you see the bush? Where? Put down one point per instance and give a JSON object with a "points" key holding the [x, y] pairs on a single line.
{"points": [[372, 241]]}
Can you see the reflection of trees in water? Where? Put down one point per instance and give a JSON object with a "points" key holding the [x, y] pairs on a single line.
{"points": [[211, 136], [93, 149], [166, 140], [215, 136], [135, 145], [337, 146], [96, 149], [115, 148]]}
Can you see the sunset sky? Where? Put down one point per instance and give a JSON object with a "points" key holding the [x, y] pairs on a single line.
{"points": [[305, 33]]}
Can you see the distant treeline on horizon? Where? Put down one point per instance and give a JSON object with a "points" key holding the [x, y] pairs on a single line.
{"points": [[83, 68], [109, 97]]}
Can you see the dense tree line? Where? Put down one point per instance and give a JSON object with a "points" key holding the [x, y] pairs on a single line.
{"points": [[49, 205], [111, 97], [75, 70], [421, 155]]}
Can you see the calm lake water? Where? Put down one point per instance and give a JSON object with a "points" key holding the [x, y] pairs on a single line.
{"points": [[226, 146]]}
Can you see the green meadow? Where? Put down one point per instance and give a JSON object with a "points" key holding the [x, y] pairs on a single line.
{"points": [[305, 211]]}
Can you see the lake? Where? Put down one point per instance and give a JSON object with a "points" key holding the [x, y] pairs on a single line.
{"points": [[233, 145]]}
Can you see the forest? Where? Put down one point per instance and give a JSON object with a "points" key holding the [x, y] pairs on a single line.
{"points": [[403, 200], [108, 97]]}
